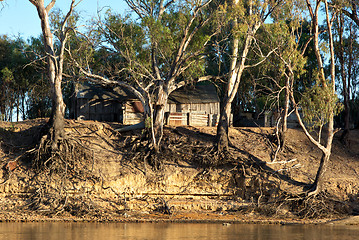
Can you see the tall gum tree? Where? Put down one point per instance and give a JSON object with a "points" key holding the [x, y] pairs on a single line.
{"points": [[325, 87], [55, 61], [345, 50], [247, 18], [275, 78], [340, 52], [161, 51]]}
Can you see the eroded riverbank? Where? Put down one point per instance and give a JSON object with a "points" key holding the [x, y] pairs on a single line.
{"points": [[112, 187]]}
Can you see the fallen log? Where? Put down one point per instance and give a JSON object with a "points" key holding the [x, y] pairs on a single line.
{"points": [[136, 126]]}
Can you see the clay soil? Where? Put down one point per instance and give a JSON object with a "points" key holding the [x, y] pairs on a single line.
{"points": [[251, 184]]}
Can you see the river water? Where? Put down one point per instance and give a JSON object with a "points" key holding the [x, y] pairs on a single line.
{"points": [[158, 231]]}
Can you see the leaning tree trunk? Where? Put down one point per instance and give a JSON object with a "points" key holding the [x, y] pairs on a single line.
{"points": [[317, 185], [330, 136], [284, 127]]}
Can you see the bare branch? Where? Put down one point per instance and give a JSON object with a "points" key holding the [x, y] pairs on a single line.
{"points": [[352, 15], [50, 6], [260, 62]]}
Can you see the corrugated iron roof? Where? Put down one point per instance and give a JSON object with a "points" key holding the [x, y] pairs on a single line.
{"points": [[93, 91], [204, 92]]}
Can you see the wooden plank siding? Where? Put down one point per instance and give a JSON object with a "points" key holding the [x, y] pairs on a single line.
{"points": [[201, 108], [194, 105], [191, 119], [193, 114], [133, 113], [100, 110], [199, 119], [177, 119]]}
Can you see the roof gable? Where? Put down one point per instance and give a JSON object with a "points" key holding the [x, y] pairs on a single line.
{"points": [[204, 92], [94, 91]]}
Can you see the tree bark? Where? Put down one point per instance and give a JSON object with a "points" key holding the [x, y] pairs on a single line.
{"points": [[55, 69], [345, 80], [317, 185], [58, 106], [57, 120], [236, 71], [223, 127], [326, 149], [159, 114], [284, 128]]}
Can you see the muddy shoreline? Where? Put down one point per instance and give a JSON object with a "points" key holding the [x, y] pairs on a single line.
{"points": [[178, 217], [350, 220]]}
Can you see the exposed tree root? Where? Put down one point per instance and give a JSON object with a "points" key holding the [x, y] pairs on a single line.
{"points": [[58, 173], [67, 156], [300, 206], [54, 170], [320, 205], [162, 206], [139, 150]]}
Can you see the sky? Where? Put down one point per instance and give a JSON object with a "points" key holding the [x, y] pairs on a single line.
{"points": [[19, 17]]}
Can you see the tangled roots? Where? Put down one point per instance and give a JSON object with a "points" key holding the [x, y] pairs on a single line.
{"points": [[321, 205], [68, 155], [55, 169]]}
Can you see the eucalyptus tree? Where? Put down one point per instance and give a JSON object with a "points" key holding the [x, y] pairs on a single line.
{"points": [[55, 60], [8, 94], [38, 96], [14, 75], [320, 102], [346, 53], [6, 78], [280, 74], [340, 56], [350, 9], [246, 17], [155, 52]]}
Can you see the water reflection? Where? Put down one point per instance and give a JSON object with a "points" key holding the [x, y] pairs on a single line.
{"points": [[158, 231]]}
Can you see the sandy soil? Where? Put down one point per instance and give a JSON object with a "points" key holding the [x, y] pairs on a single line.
{"points": [[121, 189]]}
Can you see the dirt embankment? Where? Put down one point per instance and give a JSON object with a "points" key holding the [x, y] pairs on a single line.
{"points": [[114, 185]]}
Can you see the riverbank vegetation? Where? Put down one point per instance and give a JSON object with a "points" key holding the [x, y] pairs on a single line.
{"points": [[267, 57]]}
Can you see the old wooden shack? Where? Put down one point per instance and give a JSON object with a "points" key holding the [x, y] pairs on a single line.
{"points": [[191, 105], [94, 102]]}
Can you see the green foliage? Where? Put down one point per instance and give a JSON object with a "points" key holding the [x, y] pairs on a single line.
{"points": [[126, 44], [262, 87], [15, 75], [7, 76], [56, 17], [319, 104], [148, 123]]}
